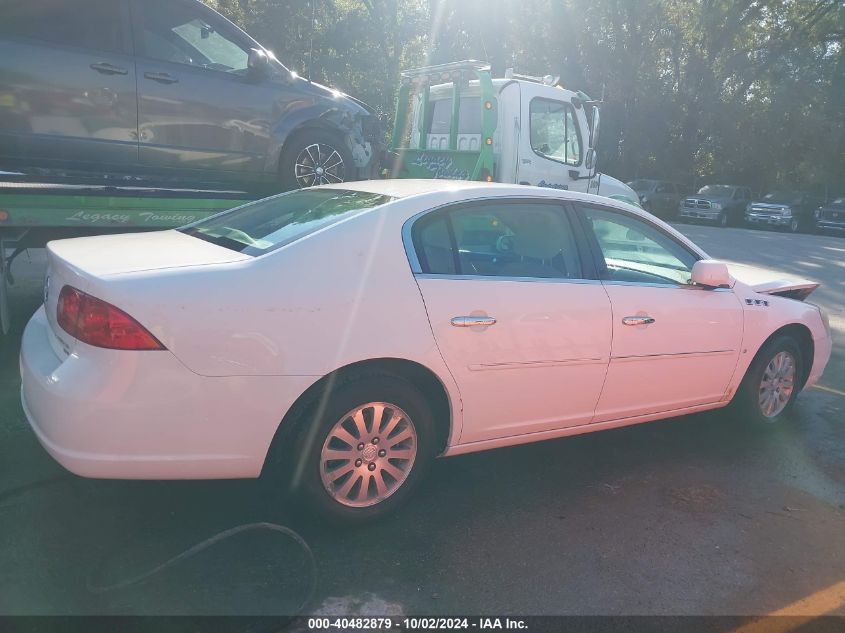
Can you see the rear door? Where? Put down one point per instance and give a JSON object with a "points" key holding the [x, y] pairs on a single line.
{"points": [[68, 97], [521, 323], [200, 107]]}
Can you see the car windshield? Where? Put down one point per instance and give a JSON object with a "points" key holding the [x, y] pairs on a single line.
{"points": [[641, 185], [262, 226], [781, 197], [721, 191]]}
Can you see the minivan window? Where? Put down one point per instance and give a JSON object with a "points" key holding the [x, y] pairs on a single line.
{"points": [[173, 33], [259, 227], [92, 24]]}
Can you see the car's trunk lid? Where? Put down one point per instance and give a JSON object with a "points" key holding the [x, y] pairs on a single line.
{"points": [[79, 262]]}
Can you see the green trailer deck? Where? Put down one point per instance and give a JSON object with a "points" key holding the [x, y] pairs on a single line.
{"points": [[31, 214]]}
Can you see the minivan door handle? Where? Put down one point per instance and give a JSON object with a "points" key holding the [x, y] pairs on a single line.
{"points": [[108, 69], [162, 78], [472, 321]]}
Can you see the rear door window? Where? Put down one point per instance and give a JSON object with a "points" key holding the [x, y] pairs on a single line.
{"points": [[265, 225]]}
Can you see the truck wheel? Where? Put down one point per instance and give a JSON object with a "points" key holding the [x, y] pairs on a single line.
{"points": [[723, 219], [795, 225], [314, 157]]}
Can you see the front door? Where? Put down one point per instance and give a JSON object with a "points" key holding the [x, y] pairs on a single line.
{"points": [[674, 345], [200, 107], [520, 324], [550, 144]]}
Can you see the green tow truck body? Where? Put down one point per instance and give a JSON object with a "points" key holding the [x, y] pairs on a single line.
{"points": [[452, 162]]}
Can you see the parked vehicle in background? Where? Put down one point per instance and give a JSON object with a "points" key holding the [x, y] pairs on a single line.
{"points": [[259, 342], [457, 121], [792, 210], [831, 217], [162, 91], [659, 197], [720, 204]]}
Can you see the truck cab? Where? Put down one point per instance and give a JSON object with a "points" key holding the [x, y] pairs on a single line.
{"points": [[456, 121]]}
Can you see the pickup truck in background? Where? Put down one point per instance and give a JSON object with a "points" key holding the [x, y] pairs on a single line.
{"points": [[790, 210], [723, 205]]}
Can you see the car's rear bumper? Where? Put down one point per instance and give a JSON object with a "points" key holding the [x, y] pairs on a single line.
{"points": [[144, 415]]}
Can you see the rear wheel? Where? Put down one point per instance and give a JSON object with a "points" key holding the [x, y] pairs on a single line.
{"points": [[772, 382], [370, 446], [314, 157]]}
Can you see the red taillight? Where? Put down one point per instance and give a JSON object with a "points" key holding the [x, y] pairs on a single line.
{"points": [[98, 323]]}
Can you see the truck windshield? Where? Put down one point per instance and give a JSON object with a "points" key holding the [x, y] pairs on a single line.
{"points": [[259, 227], [722, 191], [782, 197]]}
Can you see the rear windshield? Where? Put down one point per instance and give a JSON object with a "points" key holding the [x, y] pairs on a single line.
{"points": [[259, 227]]}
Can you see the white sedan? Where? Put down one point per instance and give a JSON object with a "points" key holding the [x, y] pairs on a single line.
{"points": [[336, 339]]}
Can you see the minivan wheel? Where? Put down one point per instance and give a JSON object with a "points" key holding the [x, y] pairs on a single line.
{"points": [[370, 446], [772, 382], [314, 157]]}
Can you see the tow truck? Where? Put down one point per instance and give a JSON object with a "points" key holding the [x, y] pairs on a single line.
{"points": [[456, 121]]}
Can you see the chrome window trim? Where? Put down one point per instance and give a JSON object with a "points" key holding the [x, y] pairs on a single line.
{"points": [[556, 280], [408, 228], [666, 285]]}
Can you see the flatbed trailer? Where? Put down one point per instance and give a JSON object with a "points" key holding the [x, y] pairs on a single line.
{"points": [[33, 213]]}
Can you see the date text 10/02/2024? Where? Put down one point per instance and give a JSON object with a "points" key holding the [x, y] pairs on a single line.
{"points": [[416, 624]]}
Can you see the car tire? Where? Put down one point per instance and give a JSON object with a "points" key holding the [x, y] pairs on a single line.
{"points": [[372, 483], [314, 157], [772, 382], [723, 219], [795, 225]]}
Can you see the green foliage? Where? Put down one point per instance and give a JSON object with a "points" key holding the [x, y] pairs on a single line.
{"points": [[741, 91]]}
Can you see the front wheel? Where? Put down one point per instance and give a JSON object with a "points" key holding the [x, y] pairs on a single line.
{"points": [[314, 157], [723, 219], [772, 382], [795, 225], [368, 450]]}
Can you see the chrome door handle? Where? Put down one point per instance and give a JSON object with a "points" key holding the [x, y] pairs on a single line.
{"points": [[471, 321], [162, 78], [637, 320]]}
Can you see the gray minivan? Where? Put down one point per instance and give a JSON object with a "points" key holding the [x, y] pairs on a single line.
{"points": [[166, 90]]}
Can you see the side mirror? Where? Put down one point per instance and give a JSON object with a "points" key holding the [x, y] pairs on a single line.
{"points": [[590, 159], [594, 128], [711, 274], [258, 62]]}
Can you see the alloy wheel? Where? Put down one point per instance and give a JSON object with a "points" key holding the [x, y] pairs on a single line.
{"points": [[777, 384], [368, 454], [318, 164]]}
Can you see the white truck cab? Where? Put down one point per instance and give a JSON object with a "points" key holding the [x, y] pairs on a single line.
{"points": [[515, 129]]}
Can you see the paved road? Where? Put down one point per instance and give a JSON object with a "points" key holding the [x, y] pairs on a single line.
{"points": [[694, 515]]}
